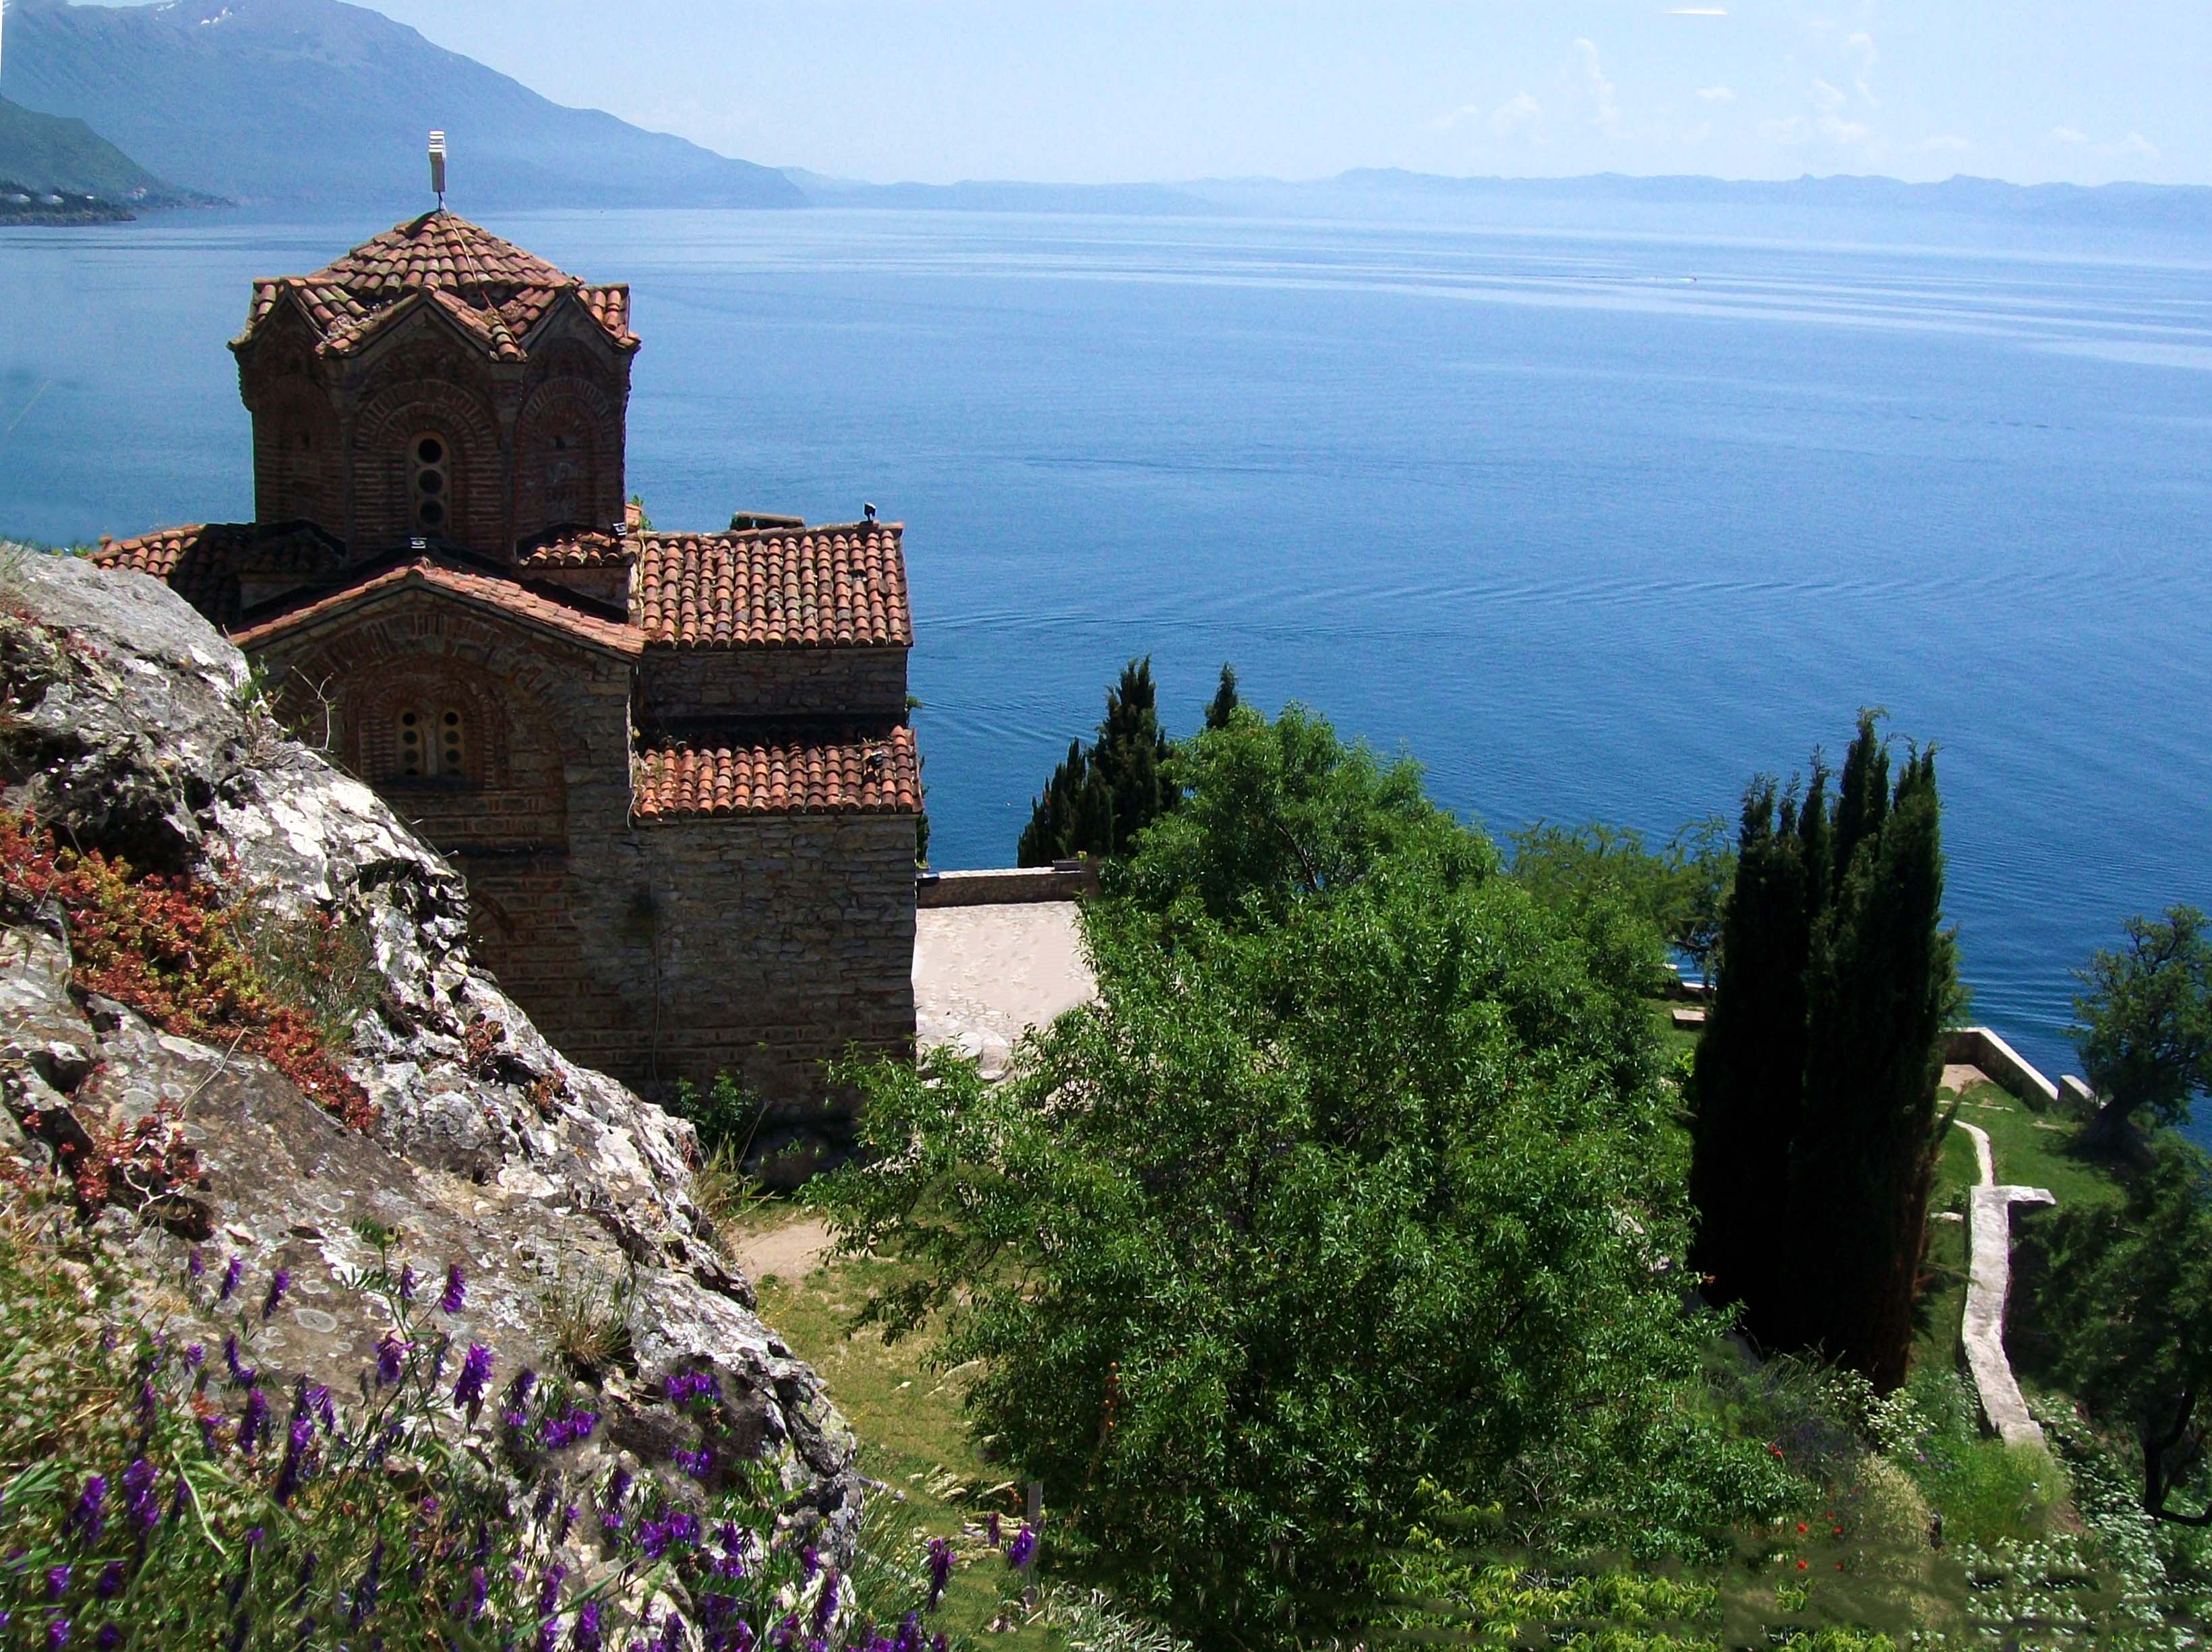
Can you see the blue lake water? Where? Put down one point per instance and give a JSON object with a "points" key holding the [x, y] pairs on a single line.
{"points": [[1596, 527]]}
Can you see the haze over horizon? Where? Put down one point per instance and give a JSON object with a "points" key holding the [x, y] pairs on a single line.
{"points": [[1161, 90]]}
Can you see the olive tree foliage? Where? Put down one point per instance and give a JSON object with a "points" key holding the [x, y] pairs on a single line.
{"points": [[2124, 1296], [1353, 1181], [2143, 1022], [1680, 889]]}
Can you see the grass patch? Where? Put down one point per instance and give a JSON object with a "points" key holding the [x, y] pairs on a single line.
{"points": [[915, 1438], [2041, 1148]]}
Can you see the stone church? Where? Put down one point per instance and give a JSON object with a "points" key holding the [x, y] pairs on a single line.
{"points": [[674, 768]]}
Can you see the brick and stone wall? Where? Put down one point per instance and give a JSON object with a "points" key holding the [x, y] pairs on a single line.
{"points": [[858, 684]]}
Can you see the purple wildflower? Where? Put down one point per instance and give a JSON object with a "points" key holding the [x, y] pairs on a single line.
{"points": [[610, 1504], [694, 1463], [58, 1581], [518, 1390], [325, 1413], [567, 1520], [195, 1355], [476, 1371], [472, 1600], [548, 1633], [908, 1638], [256, 1419], [364, 1592], [543, 1506], [178, 1493], [240, 1373], [456, 1292], [150, 1407], [680, 1386], [1023, 1548], [586, 1636], [991, 1530], [940, 1568], [279, 1283], [232, 1274], [548, 1588], [937, 1641], [110, 1579], [825, 1604], [195, 1264], [138, 1500], [655, 1536], [90, 1518], [58, 1634], [296, 1447], [208, 1441], [406, 1282], [809, 1564], [108, 1638], [390, 1356]]}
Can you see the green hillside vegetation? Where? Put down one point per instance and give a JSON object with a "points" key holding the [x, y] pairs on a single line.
{"points": [[43, 155]]}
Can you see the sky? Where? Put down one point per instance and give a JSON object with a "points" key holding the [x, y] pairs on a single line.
{"points": [[2084, 91]]}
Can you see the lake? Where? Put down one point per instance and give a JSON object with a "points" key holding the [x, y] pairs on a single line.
{"points": [[1594, 526]]}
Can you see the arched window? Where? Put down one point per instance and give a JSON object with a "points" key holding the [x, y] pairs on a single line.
{"points": [[432, 743], [427, 461]]}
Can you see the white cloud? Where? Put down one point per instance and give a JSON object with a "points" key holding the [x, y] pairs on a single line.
{"points": [[2068, 135], [1836, 129], [1444, 123], [1793, 131], [1716, 94], [1514, 113], [1588, 90], [1943, 144], [1864, 57], [2136, 144], [1828, 96]]}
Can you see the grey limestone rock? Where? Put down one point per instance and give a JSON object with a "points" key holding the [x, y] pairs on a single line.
{"points": [[131, 725]]}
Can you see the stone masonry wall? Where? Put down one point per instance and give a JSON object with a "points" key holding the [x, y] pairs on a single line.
{"points": [[844, 683]]}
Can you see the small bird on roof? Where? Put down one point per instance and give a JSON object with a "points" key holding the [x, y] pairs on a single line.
{"points": [[868, 511]]}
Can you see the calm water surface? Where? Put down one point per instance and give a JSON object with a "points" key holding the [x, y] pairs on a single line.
{"points": [[1594, 527]]}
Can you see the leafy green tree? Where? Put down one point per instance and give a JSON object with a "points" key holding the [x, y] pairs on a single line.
{"points": [[1102, 797], [1223, 705], [2144, 1024], [1680, 891], [2123, 1296], [1355, 1180], [1815, 1082]]}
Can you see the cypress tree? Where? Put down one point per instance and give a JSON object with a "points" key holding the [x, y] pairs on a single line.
{"points": [[1100, 798], [1750, 1064], [1223, 705], [1815, 1084]]}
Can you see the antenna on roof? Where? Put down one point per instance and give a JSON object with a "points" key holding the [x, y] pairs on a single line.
{"points": [[438, 167]]}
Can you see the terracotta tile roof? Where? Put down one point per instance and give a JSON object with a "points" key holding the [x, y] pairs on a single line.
{"points": [[488, 590], [790, 773], [202, 563], [775, 587], [496, 291], [578, 549]]}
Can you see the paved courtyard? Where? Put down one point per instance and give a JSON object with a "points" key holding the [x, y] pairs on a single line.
{"points": [[984, 974]]}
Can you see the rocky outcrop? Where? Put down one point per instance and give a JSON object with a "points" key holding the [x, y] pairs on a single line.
{"points": [[130, 726]]}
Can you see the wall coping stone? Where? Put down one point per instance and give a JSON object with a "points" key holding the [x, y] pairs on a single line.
{"points": [[1064, 880]]}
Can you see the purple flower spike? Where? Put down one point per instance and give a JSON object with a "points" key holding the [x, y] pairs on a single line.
{"points": [[56, 1582], [110, 1580], [586, 1637], [1023, 1548], [472, 1600], [476, 1371], [694, 1463], [109, 1637], [390, 1356], [297, 1445], [279, 1283], [58, 1634], [232, 1274], [138, 1499], [90, 1518], [825, 1604], [518, 1391], [406, 1282], [319, 1402], [256, 1419], [456, 1292], [195, 1355], [940, 1568], [548, 1588], [195, 1264]]}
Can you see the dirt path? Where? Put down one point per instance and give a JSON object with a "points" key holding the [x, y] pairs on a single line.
{"points": [[791, 1252]]}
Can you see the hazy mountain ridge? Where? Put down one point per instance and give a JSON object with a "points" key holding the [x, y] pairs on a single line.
{"points": [[317, 102], [51, 154]]}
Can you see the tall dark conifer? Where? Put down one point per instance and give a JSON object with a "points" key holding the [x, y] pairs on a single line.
{"points": [[1223, 705], [1815, 1081], [1101, 797]]}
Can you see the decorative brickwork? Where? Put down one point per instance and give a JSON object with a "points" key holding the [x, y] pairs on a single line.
{"points": [[674, 767]]}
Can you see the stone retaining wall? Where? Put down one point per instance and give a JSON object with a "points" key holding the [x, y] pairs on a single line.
{"points": [[1066, 880], [1978, 1046]]}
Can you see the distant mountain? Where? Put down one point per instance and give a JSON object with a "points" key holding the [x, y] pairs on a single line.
{"points": [[45, 156], [315, 103], [1130, 199]]}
